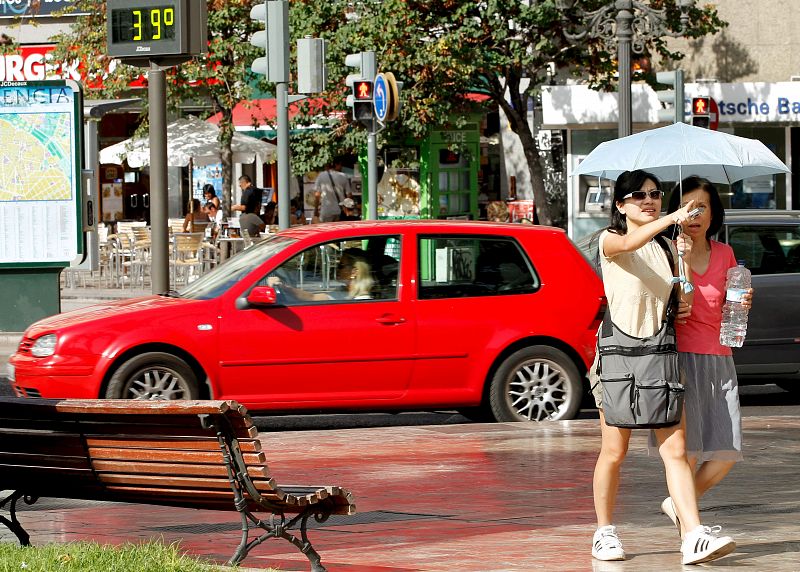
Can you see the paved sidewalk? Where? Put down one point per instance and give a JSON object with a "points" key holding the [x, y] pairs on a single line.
{"points": [[482, 498]]}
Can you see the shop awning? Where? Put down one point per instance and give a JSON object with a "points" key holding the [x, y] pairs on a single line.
{"points": [[258, 116]]}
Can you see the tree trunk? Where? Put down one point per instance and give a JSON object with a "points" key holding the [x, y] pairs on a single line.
{"points": [[519, 125], [225, 138]]}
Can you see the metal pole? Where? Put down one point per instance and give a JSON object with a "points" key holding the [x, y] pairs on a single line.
{"points": [[282, 93], [157, 94], [624, 35], [372, 173]]}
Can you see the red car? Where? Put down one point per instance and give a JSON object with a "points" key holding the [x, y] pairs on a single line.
{"points": [[496, 320]]}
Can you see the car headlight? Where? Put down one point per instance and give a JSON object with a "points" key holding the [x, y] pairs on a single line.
{"points": [[44, 346]]}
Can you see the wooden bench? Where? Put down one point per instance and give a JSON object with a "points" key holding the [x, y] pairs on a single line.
{"points": [[197, 454]]}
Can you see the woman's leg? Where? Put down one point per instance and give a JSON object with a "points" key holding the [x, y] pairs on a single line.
{"points": [[680, 477], [710, 474], [613, 448]]}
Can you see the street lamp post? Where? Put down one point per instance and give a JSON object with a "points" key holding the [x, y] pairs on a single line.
{"points": [[630, 24]]}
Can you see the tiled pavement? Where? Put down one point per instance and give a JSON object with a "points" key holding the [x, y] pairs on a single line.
{"points": [[472, 497], [477, 498]]}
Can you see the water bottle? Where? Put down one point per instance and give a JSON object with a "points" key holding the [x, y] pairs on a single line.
{"points": [[734, 314]]}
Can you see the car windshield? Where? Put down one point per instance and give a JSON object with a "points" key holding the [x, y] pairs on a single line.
{"points": [[217, 281]]}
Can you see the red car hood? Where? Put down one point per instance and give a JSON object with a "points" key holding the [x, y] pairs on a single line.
{"points": [[106, 310]]}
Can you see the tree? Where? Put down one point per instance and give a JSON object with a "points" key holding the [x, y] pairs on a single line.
{"points": [[218, 80], [445, 49]]}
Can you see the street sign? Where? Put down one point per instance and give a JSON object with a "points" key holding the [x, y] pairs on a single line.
{"points": [[714, 114], [385, 96], [381, 98]]}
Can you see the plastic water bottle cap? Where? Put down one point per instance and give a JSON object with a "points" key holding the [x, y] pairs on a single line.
{"points": [[740, 262]]}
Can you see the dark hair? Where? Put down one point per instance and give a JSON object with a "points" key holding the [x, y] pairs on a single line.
{"points": [[627, 183], [194, 205], [209, 188], [246, 179], [695, 183], [211, 205]]}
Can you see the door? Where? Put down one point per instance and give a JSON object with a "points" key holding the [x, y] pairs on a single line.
{"points": [[341, 335]]}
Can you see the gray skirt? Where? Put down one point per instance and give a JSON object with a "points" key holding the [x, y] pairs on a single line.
{"points": [[713, 418]]}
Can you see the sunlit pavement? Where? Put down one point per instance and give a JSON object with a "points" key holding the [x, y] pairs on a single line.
{"points": [[475, 498]]}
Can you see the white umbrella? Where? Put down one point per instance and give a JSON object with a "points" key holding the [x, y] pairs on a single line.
{"points": [[189, 139], [680, 150]]}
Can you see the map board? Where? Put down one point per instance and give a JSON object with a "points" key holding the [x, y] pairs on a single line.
{"points": [[40, 172]]}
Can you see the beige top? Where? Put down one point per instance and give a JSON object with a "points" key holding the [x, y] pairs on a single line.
{"points": [[637, 286]]}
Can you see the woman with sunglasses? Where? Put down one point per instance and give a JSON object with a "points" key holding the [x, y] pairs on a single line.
{"points": [[713, 419], [638, 281]]}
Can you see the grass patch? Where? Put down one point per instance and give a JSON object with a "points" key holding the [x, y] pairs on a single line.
{"points": [[93, 557]]}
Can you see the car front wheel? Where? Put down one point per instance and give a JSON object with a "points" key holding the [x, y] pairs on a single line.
{"points": [[153, 376], [537, 383]]}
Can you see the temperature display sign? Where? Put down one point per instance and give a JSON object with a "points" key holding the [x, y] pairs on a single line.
{"points": [[152, 24], [159, 30]]}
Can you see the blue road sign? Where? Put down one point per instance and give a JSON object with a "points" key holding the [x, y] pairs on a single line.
{"points": [[380, 95]]}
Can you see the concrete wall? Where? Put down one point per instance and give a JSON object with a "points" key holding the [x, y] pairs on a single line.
{"points": [[761, 43]]}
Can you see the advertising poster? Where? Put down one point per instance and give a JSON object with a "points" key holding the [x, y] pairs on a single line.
{"points": [[203, 175], [40, 126]]}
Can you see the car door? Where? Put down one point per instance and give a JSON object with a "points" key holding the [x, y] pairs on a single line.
{"points": [[332, 350], [471, 291], [772, 253]]}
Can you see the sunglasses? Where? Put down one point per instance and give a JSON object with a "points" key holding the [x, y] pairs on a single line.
{"points": [[642, 195]]}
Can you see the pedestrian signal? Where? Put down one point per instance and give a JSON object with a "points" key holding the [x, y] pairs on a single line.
{"points": [[701, 112], [700, 106], [362, 91]]}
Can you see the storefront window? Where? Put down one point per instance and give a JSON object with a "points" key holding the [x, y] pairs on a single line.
{"points": [[594, 194]]}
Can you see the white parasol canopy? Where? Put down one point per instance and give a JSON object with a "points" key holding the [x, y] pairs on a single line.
{"points": [[679, 150], [189, 139]]}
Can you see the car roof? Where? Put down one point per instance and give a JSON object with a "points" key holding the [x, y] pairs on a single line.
{"points": [[434, 225], [761, 216]]}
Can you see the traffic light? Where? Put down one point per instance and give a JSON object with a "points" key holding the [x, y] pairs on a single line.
{"points": [[701, 112], [361, 83], [671, 96], [272, 39]]}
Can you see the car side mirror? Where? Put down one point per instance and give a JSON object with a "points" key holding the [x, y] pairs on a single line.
{"points": [[262, 296]]}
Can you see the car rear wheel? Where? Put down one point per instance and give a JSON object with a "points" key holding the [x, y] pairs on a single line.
{"points": [[537, 383], [153, 376]]}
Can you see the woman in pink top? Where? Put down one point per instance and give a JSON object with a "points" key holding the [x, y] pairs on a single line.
{"points": [[713, 420]]}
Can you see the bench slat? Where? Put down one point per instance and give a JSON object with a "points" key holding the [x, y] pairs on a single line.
{"points": [[44, 461], [145, 468], [139, 442], [41, 442], [167, 455]]}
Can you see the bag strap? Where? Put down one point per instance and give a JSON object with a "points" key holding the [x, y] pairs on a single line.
{"points": [[335, 188], [672, 303]]}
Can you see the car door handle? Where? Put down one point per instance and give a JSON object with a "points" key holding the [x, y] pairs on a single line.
{"points": [[390, 319]]}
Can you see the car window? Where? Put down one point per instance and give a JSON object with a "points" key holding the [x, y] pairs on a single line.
{"points": [[217, 281], [351, 270], [766, 249], [451, 266]]}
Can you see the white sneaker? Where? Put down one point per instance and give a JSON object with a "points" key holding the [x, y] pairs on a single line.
{"points": [[702, 545], [606, 544], [668, 508]]}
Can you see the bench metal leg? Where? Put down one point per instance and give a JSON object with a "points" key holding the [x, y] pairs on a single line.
{"points": [[13, 524], [277, 527]]}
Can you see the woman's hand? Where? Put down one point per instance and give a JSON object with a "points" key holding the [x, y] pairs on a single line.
{"points": [[274, 281], [684, 245], [684, 311], [681, 215], [747, 299]]}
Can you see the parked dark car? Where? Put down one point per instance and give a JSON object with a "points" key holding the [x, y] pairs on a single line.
{"points": [[769, 244]]}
